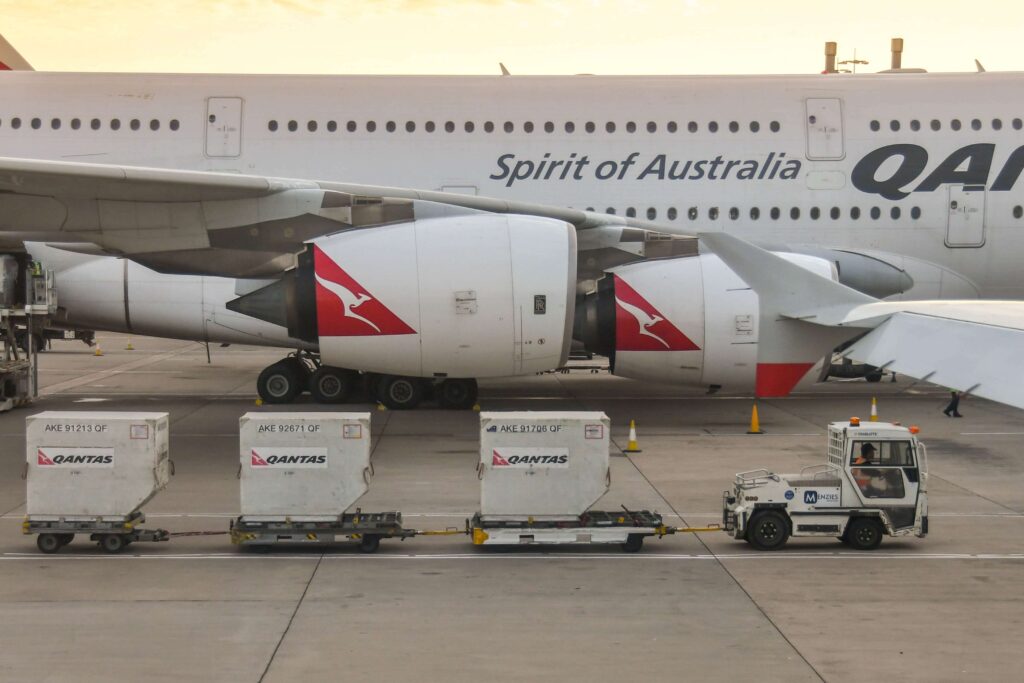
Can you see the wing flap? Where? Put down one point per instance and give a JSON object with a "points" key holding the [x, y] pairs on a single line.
{"points": [[969, 356]]}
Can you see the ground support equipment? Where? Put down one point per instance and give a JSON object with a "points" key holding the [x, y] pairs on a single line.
{"points": [[112, 534], [365, 528]]}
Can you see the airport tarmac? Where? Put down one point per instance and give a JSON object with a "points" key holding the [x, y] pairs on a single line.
{"points": [[688, 607]]}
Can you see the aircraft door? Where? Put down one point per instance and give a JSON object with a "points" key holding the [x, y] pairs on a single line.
{"points": [[224, 127], [965, 225], [824, 121]]}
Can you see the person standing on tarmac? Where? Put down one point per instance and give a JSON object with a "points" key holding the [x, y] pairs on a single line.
{"points": [[953, 409]]}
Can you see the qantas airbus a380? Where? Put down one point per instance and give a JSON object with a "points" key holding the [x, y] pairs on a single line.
{"points": [[434, 230]]}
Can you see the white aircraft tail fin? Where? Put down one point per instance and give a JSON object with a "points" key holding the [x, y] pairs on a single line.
{"points": [[10, 59]]}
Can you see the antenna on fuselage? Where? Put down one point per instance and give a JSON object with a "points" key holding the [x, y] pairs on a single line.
{"points": [[981, 69], [504, 70]]}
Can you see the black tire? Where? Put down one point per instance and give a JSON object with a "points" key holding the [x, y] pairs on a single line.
{"points": [[66, 538], [279, 383], [48, 543], [864, 533], [768, 530], [331, 385], [112, 543], [633, 544], [457, 394], [874, 377], [369, 543], [400, 393]]}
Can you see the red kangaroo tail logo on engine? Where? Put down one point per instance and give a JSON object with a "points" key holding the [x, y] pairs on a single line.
{"points": [[257, 461], [345, 309], [639, 326], [497, 460], [43, 459]]}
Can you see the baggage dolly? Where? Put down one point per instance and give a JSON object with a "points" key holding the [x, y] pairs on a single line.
{"points": [[112, 534], [366, 528], [628, 528]]}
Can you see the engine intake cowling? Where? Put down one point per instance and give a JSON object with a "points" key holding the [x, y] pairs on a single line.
{"points": [[687, 321], [459, 296]]}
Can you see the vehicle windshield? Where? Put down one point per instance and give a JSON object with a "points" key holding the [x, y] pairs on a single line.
{"points": [[882, 453]]}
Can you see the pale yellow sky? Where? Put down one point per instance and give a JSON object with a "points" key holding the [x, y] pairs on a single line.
{"points": [[530, 36]]}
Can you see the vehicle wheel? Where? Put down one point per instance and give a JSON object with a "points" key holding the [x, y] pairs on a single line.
{"points": [[874, 377], [279, 383], [369, 543], [112, 543], [331, 385], [400, 393], [457, 394], [66, 538], [48, 543], [768, 530], [633, 544], [864, 533]]}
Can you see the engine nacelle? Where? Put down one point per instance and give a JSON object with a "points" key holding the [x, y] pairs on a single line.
{"points": [[687, 321], [457, 296]]}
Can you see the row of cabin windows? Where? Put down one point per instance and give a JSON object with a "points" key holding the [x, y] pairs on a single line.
{"points": [[95, 124], [775, 213], [955, 124], [510, 127]]}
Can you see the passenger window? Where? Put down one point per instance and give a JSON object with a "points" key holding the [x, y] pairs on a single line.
{"points": [[834, 213], [630, 126], [610, 210], [488, 126], [389, 126], [775, 126], [894, 125], [755, 213], [55, 124], [115, 124], [371, 126], [332, 126], [293, 126], [794, 213], [549, 127], [570, 127], [815, 213], [915, 212], [36, 123], [692, 213], [610, 127], [509, 126], [652, 213], [528, 126], [955, 124], [154, 124], [734, 213], [94, 124], [410, 126], [311, 126], [590, 127], [997, 124], [272, 125], [1018, 211], [692, 126], [672, 127], [470, 127], [449, 126], [755, 126], [734, 127], [135, 124], [855, 213], [975, 124], [672, 213], [713, 213], [430, 126], [875, 126], [631, 212], [652, 127], [76, 124], [713, 126], [936, 124], [876, 213], [915, 125], [1018, 124], [351, 126], [775, 213], [894, 212]]}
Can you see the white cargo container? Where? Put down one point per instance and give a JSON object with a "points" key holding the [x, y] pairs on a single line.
{"points": [[91, 465], [545, 465], [303, 466]]}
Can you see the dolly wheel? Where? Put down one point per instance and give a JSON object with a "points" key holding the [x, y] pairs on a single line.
{"points": [[633, 544], [48, 543], [66, 538], [369, 543], [112, 543]]}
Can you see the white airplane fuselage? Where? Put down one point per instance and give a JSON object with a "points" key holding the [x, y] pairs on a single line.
{"points": [[781, 159]]}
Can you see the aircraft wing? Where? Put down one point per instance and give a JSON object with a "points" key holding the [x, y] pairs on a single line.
{"points": [[242, 225], [971, 346]]}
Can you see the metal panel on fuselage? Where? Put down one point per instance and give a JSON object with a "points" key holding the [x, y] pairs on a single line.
{"points": [[618, 170]]}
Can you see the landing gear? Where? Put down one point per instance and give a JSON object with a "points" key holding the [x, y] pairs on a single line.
{"points": [[332, 385], [283, 381], [456, 394], [400, 393]]}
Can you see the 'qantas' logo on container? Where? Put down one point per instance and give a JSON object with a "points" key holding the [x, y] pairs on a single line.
{"points": [[75, 457], [289, 458], [639, 326], [344, 308], [530, 457]]}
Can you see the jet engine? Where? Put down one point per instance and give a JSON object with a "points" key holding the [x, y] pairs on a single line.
{"points": [[687, 321], [467, 296]]}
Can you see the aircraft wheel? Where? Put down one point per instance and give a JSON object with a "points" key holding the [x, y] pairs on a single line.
{"points": [[457, 394], [768, 530], [400, 393], [279, 383], [332, 385]]}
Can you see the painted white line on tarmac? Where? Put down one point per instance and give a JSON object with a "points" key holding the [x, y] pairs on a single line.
{"points": [[466, 515], [494, 554]]}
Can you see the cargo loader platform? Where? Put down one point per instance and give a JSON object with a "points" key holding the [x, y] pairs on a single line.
{"points": [[365, 528], [626, 528], [113, 535]]}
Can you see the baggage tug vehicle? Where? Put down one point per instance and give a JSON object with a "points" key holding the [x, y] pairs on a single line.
{"points": [[873, 484]]}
